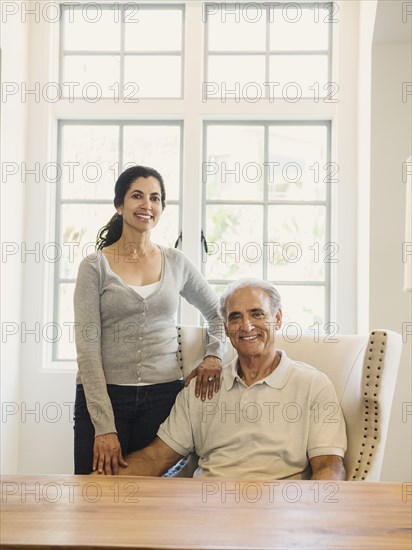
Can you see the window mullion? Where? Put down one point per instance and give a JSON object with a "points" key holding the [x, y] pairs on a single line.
{"points": [[192, 146], [265, 201]]}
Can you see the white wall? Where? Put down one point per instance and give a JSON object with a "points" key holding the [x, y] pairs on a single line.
{"points": [[367, 16], [390, 307], [37, 405], [14, 44], [47, 394], [384, 142]]}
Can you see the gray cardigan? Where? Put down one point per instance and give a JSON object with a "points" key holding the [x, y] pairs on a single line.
{"points": [[122, 338]]}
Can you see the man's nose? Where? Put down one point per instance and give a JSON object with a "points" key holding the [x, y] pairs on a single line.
{"points": [[248, 326]]}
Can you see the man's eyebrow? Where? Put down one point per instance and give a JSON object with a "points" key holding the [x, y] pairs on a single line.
{"points": [[233, 313], [253, 310]]}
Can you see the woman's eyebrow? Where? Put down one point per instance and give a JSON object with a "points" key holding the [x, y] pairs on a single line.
{"points": [[140, 191]]}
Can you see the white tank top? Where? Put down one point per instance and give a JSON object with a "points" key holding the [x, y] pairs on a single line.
{"points": [[146, 290]]}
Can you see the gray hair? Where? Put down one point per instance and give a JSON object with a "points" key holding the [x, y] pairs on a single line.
{"points": [[267, 287]]}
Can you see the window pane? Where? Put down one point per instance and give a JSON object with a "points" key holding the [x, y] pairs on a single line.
{"points": [[297, 237], [244, 30], [234, 166], [238, 75], [157, 147], [234, 235], [305, 70], [93, 76], [297, 162], [292, 247], [65, 347], [156, 75], [154, 30], [79, 225], [294, 28], [167, 230], [90, 28], [302, 306], [89, 159]]}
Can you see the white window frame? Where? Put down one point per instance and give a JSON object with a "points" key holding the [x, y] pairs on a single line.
{"points": [[268, 9], [266, 203], [122, 53], [121, 124], [192, 111]]}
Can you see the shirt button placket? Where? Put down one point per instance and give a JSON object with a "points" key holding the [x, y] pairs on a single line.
{"points": [[139, 343]]}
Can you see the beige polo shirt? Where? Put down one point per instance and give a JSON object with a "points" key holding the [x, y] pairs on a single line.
{"points": [[265, 431]]}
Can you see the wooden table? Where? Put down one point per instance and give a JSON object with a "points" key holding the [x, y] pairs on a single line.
{"points": [[64, 512]]}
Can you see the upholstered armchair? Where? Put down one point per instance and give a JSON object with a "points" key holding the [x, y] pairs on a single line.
{"points": [[363, 370]]}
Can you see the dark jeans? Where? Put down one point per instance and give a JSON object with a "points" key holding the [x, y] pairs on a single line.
{"points": [[138, 413]]}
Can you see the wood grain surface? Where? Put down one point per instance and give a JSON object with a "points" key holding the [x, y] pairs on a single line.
{"points": [[57, 511]]}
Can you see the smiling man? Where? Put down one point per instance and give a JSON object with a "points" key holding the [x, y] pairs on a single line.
{"points": [[273, 418]]}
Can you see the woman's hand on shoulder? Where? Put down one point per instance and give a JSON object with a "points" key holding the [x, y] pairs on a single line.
{"points": [[107, 454], [207, 376]]}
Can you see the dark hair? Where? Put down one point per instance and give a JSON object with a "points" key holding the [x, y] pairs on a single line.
{"points": [[112, 231]]}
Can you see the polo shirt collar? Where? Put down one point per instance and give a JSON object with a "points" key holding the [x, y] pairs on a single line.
{"points": [[277, 379]]}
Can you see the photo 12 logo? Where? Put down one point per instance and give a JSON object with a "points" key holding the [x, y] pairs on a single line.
{"points": [[253, 12], [252, 92], [53, 92], [70, 492], [268, 491], [53, 12]]}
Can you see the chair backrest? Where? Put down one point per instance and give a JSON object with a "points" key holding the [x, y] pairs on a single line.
{"points": [[363, 370]]}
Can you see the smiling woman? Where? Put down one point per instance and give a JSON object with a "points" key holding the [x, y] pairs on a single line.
{"points": [[139, 205], [125, 303]]}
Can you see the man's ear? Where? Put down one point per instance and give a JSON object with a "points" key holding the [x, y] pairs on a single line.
{"points": [[226, 329], [279, 318]]}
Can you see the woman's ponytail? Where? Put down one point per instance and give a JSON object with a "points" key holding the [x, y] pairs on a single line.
{"points": [[110, 233]]}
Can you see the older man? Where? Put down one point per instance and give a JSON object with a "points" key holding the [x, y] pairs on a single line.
{"points": [[273, 418]]}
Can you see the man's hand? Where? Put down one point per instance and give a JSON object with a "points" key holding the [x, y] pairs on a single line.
{"points": [[207, 377], [107, 454], [327, 467]]}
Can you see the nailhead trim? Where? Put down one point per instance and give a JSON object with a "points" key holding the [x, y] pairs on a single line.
{"points": [[370, 382]]}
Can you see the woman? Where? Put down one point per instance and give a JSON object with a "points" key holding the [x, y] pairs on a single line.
{"points": [[125, 304]]}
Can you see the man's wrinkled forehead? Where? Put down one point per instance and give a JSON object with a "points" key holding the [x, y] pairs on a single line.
{"points": [[247, 299]]}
